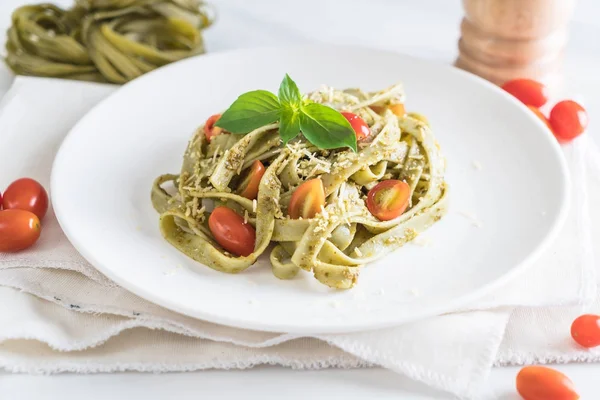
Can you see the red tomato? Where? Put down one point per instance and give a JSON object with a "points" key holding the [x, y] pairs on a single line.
{"points": [[231, 232], [249, 186], [210, 129], [19, 229], [542, 383], [568, 120], [585, 330], [528, 91], [26, 194], [388, 199], [307, 200], [358, 124], [541, 116]]}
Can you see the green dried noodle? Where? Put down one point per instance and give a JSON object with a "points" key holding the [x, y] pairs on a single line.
{"points": [[105, 40]]}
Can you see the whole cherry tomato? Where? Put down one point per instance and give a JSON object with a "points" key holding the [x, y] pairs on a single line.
{"points": [[585, 330], [210, 130], [26, 194], [249, 185], [19, 229], [542, 383], [231, 232], [528, 91], [358, 124], [568, 120], [307, 200], [388, 199], [541, 116]]}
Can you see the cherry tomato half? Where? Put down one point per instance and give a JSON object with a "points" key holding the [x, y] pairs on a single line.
{"points": [[249, 186], [19, 229], [585, 330], [26, 194], [231, 232], [210, 130], [541, 116], [388, 199], [528, 91], [358, 124], [397, 109], [307, 200], [542, 383], [568, 120]]}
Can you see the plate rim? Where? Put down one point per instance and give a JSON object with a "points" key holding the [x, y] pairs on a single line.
{"points": [[450, 306]]}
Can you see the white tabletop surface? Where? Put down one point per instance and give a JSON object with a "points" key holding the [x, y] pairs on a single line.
{"points": [[426, 28]]}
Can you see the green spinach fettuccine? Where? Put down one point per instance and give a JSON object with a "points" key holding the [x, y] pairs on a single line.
{"points": [[340, 238], [111, 41]]}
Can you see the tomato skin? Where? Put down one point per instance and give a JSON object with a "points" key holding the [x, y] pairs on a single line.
{"points": [[307, 200], [19, 229], [568, 120], [26, 194], [541, 116], [528, 91], [388, 199], [585, 330], [231, 232], [542, 383], [249, 185], [210, 130], [358, 124]]}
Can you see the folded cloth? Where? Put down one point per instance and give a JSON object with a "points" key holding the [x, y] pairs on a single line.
{"points": [[66, 316]]}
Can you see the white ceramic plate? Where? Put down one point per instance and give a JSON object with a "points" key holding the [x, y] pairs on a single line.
{"points": [[501, 216]]}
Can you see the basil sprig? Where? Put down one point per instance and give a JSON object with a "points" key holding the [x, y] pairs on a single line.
{"points": [[323, 126]]}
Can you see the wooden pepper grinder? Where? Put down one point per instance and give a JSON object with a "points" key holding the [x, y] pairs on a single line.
{"points": [[507, 39]]}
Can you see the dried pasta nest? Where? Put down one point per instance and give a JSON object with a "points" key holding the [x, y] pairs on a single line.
{"points": [[111, 41]]}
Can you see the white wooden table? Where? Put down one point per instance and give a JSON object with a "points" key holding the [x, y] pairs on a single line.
{"points": [[425, 28]]}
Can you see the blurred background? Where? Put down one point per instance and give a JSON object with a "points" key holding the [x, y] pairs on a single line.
{"points": [[424, 28]]}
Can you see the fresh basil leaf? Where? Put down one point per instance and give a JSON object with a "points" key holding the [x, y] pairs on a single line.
{"points": [[250, 111], [325, 127], [289, 94], [289, 124]]}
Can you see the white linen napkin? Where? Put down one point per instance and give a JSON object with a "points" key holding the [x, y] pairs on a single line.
{"points": [[66, 316]]}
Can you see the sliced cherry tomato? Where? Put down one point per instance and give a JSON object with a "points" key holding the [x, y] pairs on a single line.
{"points": [[307, 200], [249, 186], [210, 130], [528, 91], [231, 232], [585, 330], [397, 109], [542, 383], [358, 124], [19, 229], [568, 120], [26, 194], [541, 116], [388, 199]]}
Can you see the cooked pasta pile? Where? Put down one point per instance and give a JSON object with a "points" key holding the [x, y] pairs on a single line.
{"points": [[340, 238]]}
